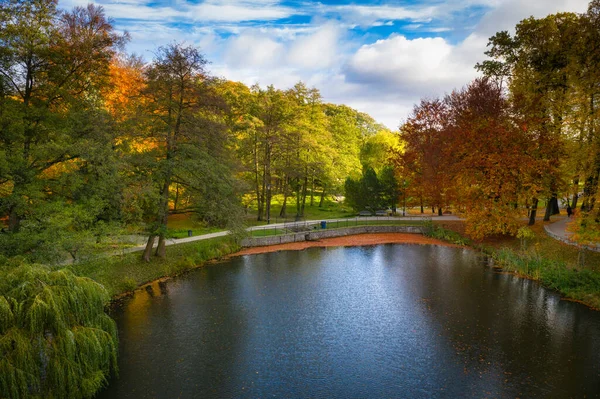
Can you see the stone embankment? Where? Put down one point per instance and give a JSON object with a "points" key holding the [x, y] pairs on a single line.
{"points": [[316, 235]]}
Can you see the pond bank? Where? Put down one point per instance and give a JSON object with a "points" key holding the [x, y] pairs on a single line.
{"points": [[124, 274], [349, 240]]}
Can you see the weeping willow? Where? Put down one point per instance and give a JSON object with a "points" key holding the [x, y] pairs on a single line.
{"points": [[56, 341]]}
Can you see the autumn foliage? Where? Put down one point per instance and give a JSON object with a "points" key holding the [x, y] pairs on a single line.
{"points": [[467, 150]]}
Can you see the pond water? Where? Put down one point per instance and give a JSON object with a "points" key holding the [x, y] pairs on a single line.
{"points": [[383, 321]]}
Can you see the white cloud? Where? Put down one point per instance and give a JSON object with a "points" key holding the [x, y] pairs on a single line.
{"points": [[317, 50], [383, 78], [395, 72], [252, 50], [508, 13], [186, 11], [384, 12], [240, 11], [423, 66]]}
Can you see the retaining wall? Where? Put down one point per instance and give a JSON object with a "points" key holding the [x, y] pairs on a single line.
{"points": [[327, 233]]}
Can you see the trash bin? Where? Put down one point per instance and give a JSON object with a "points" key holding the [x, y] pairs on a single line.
{"points": [[323, 224], [189, 233]]}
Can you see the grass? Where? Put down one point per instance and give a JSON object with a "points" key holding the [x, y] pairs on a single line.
{"points": [[124, 273], [582, 285], [572, 271], [331, 209], [179, 225]]}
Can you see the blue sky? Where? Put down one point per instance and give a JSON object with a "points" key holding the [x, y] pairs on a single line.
{"points": [[378, 56]]}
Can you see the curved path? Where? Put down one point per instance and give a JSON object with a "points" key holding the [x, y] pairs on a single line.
{"points": [[558, 230], [175, 241]]}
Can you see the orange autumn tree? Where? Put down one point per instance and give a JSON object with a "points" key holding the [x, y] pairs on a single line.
{"points": [[469, 151], [490, 158], [424, 162]]}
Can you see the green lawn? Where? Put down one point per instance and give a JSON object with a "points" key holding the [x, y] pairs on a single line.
{"points": [[179, 224], [331, 209]]}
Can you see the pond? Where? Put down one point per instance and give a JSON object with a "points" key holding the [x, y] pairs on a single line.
{"points": [[363, 322]]}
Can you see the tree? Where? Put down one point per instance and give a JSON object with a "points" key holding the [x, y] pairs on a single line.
{"points": [[52, 64], [186, 137], [367, 193], [390, 189], [55, 338], [490, 157], [426, 161], [537, 60]]}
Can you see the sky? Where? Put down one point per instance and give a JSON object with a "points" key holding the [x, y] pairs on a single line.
{"points": [[378, 56]]}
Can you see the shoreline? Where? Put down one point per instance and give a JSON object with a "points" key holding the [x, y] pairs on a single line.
{"points": [[586, 298], [345, 241], [349, 241]]}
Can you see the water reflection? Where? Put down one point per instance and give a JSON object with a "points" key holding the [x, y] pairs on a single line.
{"points": [[379, 321]]}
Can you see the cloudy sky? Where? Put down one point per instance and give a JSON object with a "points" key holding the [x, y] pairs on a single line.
{"points": [[378, 56]]}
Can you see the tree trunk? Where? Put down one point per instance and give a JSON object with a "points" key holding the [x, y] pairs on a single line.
{"points": [[298, 194], [20, 186], [440, 213], [163, 218], [268, 204], [161, 250], [304, 192], [312, 192], [176, 197], [148, 250], [322, 196], [283, 211], [259, 198], [267, 182], [14, 221], [551, 208], [575, 192], [533, 212]]}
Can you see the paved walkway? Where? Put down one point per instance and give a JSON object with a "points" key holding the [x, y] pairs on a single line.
{"points": [[290, 225], [559, 231], [556, 230]]}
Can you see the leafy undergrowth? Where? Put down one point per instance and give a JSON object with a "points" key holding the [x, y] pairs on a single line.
{"points": [[573, 272], [124, 273]]}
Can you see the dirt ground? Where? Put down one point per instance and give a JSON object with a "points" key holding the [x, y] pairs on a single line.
{"points": [[348, 241]]}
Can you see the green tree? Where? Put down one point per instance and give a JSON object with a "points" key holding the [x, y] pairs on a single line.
{"points": [[390, 189], [52, 65], [186, 141], [367, 192]]}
